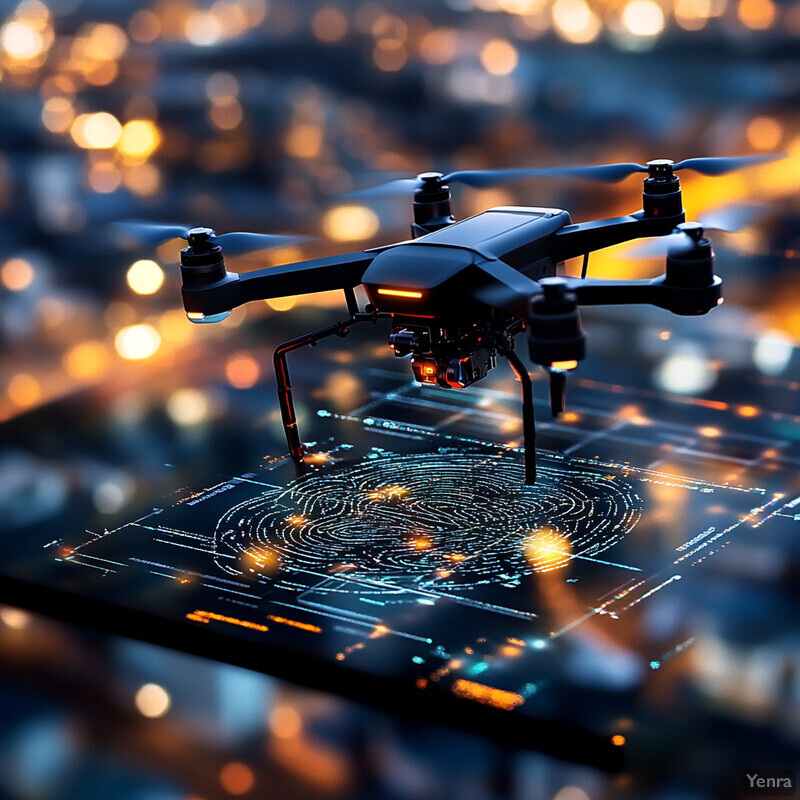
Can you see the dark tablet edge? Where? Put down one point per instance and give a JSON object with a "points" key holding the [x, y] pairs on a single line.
{"points": [[557, 739]]}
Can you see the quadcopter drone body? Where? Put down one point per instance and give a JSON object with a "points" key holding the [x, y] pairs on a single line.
{"points": [[458, 293]]}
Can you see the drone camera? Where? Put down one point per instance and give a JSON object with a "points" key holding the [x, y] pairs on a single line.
{"points": [[454, 373], [409, 340], [466, 370], [425, 368]]}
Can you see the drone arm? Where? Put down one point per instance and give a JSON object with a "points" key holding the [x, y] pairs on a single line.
{"points": [[576, 240], [684, 300], [316, 275], [303, 277]]}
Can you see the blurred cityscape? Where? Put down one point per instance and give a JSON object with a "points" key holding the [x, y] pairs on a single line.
{"points": [[262, 115]]}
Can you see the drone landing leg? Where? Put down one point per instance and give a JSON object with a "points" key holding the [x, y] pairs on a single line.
{"points": [[528, 420], [282, 373]]}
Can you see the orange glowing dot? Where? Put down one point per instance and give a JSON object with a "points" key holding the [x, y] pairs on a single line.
{"points": [[570, 416], [86, 360], [285, 722], [304, 140], [24, 390], [57, 114], [764, 133], [104, 177], [329, 24], [145, 26], [499, 57], [757, 14], [99, 131], [564, 365], [443, 573], [747, 411], [421, 683], [16, 274], [509, 651], [226, 113], [350, 223], [340, 656], [378, 631], [457, 557], [618, 740], [439, 46], [236, 778], [429, 370], [242, 371], [297, 520], [547, 549], [709, 431], [389, 55], [316, 458], [139, 139], [664, 335], [143, 180], [421, 544]]}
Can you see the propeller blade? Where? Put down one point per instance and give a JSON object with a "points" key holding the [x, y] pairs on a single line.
{"points": [[396, 188], [722, 166], [660, 247], [152, 234], [729, 218], [239, 243], [148, 234], [733, 217], [604, 173]]}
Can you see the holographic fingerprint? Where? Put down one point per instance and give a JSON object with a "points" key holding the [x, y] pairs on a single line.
{"points": [[453, 517]]}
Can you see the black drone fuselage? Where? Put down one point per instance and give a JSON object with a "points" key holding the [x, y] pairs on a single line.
{"points": [[459, 292]]}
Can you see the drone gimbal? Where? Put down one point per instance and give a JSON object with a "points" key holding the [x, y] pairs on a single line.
{"points": [[458, 293]]}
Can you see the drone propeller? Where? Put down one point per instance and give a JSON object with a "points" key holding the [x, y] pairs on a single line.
{"points": [[150, 234], [729, 219], [602, 173]]}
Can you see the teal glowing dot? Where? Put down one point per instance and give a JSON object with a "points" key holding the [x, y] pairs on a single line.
{"points": [[655, 664], [418, 660]]}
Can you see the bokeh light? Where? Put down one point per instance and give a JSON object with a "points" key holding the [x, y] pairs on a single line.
{"points": [[100, 131], [145, 276], [643, 18], [152, 700], [16, 274], [188, 406], [284, 721], [350, 223], [135, 342], [242, 370], [236, 778], [499, 57]]}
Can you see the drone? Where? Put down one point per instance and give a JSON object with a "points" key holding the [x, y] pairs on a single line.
{"points": [[458, 293]]}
